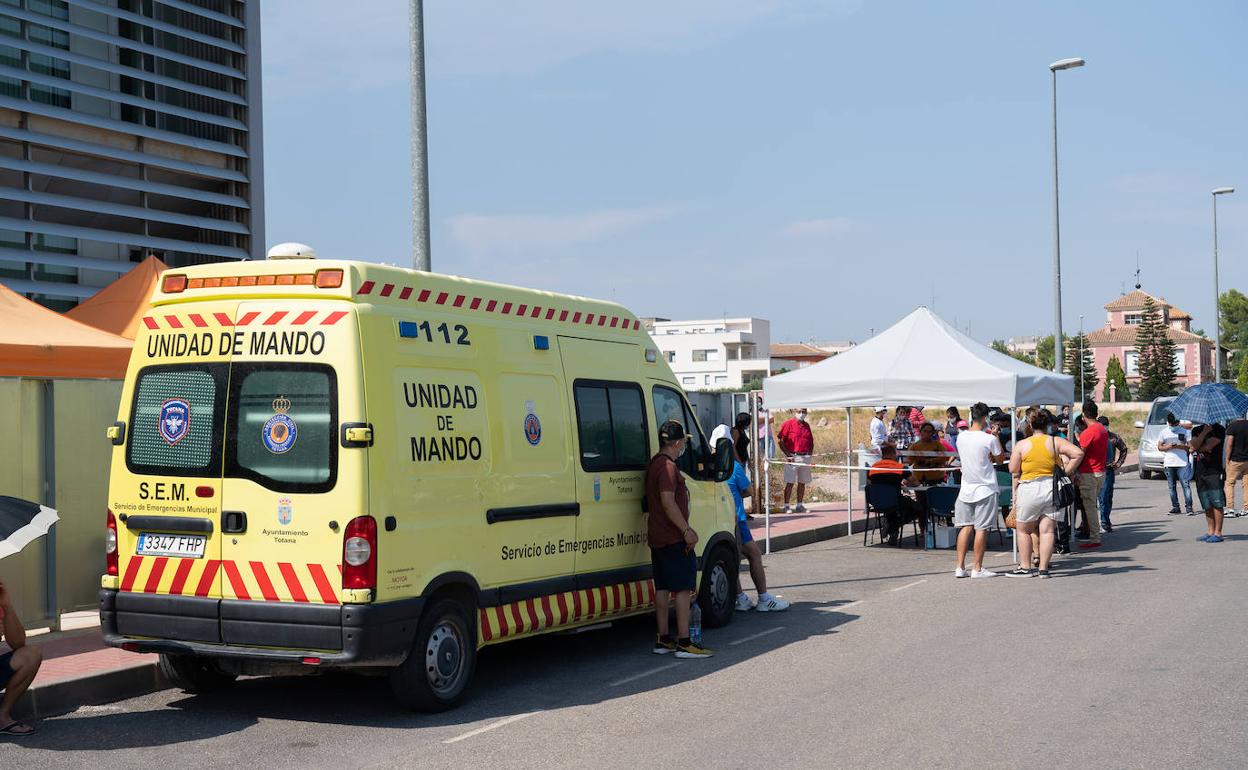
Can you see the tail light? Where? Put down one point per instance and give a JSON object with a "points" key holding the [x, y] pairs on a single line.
{"points": [[173, 284], [359, 553], [110, 544], [328, 279]]}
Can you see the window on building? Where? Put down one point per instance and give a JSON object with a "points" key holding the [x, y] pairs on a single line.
{"points": [[1131, 363], [706, 379], [1133, 319], [1180, 361], [688, 380], [611, 424], [721, 380], [703, 355], [670, 355]]}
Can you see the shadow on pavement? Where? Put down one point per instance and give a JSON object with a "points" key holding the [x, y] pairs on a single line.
{"points": [[542, 673]]}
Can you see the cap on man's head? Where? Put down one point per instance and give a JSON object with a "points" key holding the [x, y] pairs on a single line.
{"points": [[881, 409], [670, 431]]}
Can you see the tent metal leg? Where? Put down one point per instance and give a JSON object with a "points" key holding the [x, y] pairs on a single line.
{"points": [[849, 474]]}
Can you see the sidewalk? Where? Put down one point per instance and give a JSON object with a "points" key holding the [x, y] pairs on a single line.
{"points": [[79, 670]]}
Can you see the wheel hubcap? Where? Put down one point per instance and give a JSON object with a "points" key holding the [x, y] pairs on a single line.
{"points": [[444, 657], [719, 587]]}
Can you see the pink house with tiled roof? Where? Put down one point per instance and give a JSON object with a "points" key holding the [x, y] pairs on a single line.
{"points": [[1193, 354]]}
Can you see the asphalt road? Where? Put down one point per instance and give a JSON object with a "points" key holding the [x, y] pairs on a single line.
{"points": [[1133, 656]]}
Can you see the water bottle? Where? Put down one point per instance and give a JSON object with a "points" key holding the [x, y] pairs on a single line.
{"points": [[695, 623]]}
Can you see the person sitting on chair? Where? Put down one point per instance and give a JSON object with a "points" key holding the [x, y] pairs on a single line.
{"points": [[887, 470]]}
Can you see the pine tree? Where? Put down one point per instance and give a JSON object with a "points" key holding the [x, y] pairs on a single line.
{"points": [[1242, 382], [1155, 351], [1076, 346], [1114, 375]]}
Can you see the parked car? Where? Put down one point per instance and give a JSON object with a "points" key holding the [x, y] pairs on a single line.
{"points": [[1150, 457]]}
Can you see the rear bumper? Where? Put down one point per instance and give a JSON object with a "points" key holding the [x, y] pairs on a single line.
{"points": [[339, 635]]}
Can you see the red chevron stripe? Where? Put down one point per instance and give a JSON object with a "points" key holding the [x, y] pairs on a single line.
{"points": [[483, 618], [459, 300], [551, 618], [173, 322], [441, 300], [180, 576], [236, 579], [150, 322], [153, 577], [407, 292], [275, 317], [262, 579], [489, 307], [223, 319], [423, 296], [132, 572], [577, 607], [564, 616], [209, 578], [366, 287], [476, 303], [292, 581], [246, 319], [334, 317], [322, 584], [303, 318], [387, 290], [198, 320]]}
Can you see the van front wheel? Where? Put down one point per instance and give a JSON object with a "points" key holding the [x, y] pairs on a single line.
{"points": [[718, 593], [439, 667]]}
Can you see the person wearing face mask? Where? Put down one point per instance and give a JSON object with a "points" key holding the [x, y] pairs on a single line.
{"points": [[797, 441]]}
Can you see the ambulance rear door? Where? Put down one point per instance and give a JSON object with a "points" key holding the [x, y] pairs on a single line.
{"points": [[293, 483]]}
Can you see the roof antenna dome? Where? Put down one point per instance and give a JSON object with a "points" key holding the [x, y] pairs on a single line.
{"points": [[291, 250]]}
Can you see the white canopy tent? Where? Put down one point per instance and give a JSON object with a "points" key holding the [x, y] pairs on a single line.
{"points": [[919, 360]]}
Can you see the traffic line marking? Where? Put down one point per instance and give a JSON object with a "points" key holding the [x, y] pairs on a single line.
{"points": [[752, 637], [491, 726], [642, 675], [908, 585]]}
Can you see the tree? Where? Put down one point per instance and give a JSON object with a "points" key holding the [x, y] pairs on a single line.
{"points": [[1155, 351], [1233, 318], [1078, 348], [1044, 352], [1242, 382], [1114, 375]]}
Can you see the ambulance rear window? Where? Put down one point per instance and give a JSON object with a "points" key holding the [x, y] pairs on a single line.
{"points": [[282, 426], [175, 421], [611, 423]]}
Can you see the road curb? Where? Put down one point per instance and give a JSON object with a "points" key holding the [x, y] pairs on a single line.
{"points": [[65, 695]]}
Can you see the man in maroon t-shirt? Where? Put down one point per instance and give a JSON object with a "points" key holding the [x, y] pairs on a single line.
{"points": [[672, 559], [1094, 440]]}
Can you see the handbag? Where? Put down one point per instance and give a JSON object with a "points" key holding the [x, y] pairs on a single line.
{"points": [[1011, 519], [1063, 489]]}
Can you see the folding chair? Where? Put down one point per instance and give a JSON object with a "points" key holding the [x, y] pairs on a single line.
{"points": [[940, 503], [882, 499]]}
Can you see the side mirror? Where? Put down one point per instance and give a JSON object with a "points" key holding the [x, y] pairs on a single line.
{"points": [[1139, 424], [723, 460]]}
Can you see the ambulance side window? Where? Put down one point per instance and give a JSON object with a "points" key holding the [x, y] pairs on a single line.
{"points": [[282, 426], [175, 420], [611, 425], [670, 405]]}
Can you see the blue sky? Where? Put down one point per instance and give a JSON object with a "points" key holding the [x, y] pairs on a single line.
{"points": [[828, 165]]}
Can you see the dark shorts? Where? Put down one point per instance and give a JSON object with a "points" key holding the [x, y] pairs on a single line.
{"points": [[675, 568], [6, 669], [743, 532]]}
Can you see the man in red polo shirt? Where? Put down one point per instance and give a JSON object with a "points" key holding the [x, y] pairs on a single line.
{"points": [[1094, 440], [798, 444]]}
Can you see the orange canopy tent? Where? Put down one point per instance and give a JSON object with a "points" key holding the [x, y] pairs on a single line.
{"points": [[119, 306], [38, 342]]}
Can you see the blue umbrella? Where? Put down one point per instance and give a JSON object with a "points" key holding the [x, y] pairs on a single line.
{"points": [[1212, 402]]}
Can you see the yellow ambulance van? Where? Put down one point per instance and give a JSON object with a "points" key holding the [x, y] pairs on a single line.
{"points": [[340, 464]]}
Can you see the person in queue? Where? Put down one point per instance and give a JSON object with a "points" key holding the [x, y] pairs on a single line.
{"points": [[1117, 455], [1209, 473], [739, 485], [1031, 466], [916, 418], [952, 418], [18, 667], [741, 445], [887, 470], [671, 541], [1237, 466], [1173, 440], [900, 431], [879, 429], [797, 441], [976, 508], [1094, 441]]}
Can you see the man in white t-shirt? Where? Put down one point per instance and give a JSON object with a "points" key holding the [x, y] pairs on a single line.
{"points": [[976, 508], [1173, 440], [879, 429]]}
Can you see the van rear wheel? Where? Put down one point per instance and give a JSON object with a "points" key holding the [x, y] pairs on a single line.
{"points": [[439, 668], [193, 673], [718, 592]]}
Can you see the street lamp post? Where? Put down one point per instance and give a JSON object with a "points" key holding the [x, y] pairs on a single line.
{"points": [[1217, 313], [1063, 64], [421, 259]]}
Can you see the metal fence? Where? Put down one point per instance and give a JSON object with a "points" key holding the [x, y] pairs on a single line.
{"points": [[55, 454]]}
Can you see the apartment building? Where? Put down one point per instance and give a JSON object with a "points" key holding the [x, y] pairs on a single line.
{"points": [[719, 354]]}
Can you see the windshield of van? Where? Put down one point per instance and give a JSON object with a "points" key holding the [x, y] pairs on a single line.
{"points": [[175, 420], [281, 426], [1158, 415]]}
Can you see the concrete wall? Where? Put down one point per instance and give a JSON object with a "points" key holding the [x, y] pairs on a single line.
{"points": [[81, 410]]}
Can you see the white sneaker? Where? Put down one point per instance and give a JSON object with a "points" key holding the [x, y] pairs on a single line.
{"points": [[959, 573], [983, 573], [772, 604], [744, 602], [800, 508], [786, 509]]}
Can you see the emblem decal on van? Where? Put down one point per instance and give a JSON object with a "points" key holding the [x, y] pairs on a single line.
{"points": [[285, 512], [279, 431], [533, 429], [597, 489], [175, 419]]}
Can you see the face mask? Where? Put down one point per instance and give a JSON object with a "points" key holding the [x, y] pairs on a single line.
{"points": [[684, 448], [801, 417]]}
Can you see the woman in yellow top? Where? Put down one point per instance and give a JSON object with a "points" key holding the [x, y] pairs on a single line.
{"points": [[1031, 464]]}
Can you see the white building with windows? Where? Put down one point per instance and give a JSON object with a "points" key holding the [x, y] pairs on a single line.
{"points": [[720, 354]]}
